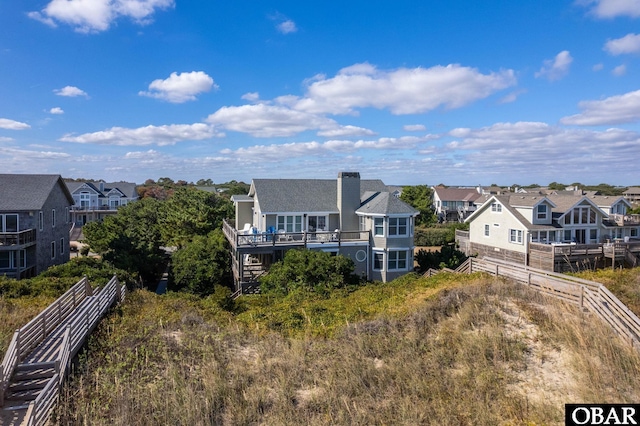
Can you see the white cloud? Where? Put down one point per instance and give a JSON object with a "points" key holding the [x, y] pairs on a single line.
{"points": [[613, 110], [5, 123], [251, 96], [627, 44], [287, 27], [598, 67], [266, 121], [557, 68], [71, 92], [613, 8], [179, 88], [414, 128], [148, 135], [511, 97], [56, 111], [620, 70], [92, 16], [346, 131], [5, 139], [403, 90]]}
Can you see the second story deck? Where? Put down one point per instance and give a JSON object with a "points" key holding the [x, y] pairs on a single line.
{"points": [[13, 240], [264, 239]]}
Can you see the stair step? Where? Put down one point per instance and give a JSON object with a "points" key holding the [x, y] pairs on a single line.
{"points": [[32, 383], [22, 395], [37, 373], [15, 407], [35, 366]]}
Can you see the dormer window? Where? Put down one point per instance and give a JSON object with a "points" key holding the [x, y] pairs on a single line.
{"points": [[496, 207], [542, 212]]}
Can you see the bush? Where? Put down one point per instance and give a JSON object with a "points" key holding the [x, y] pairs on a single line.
{"points": [[309, 270], [438, 235], [448, 257]]}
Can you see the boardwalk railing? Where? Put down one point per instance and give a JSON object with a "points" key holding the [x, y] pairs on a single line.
{"points": [[594, 297], [26, 338], [89, 307]]}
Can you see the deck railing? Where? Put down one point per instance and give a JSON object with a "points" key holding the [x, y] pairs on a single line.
{"points": [[593, 296], [18, 238], [625, 219], [280, 238]]}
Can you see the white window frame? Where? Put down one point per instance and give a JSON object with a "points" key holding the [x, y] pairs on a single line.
{"points": [[395, 257], [395, 228], [376, 226], [542, 215], [515, 236], [487, 230], [496, 207], [382, 258], [318, 217], [289, 222], [3, 222]]}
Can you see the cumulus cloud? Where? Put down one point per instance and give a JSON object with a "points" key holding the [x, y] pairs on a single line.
{"points": [[555, 69], [70, 92], [613, 8], [93, 16], [403, 90], [148, 135], [56, 111], [180, 88], [511, 97], [251, 96], [627, 44], [287, 27], [267, 121], [5, 123], [613, 110], [414, 128]]}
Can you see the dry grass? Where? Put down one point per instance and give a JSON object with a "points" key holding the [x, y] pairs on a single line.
{"points": [[16, 312], [480, 353]]}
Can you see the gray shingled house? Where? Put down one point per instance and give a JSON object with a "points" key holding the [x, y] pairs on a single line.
{"points": [[96, 200], [34, 223], [357, 218]]}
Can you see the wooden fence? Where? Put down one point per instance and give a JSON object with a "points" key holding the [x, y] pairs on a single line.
{"points": [[593, 296], [73, 316]]}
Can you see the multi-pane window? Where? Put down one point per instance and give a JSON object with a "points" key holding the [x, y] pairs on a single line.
{"points": [[85, 199], [580, 216], [8, 223], [378, 226], [378, 261], [496, 207], [290, 223], [542, 211], [397, 226], [515, 236], [593, 234], [318, 223], [486, 230], [397, 260]]}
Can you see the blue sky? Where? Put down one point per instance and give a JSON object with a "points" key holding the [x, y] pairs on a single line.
{"points": [[428, 92]]}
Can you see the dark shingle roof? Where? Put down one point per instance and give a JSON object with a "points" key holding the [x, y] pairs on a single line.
{"points": [[385, 203], [28, 192], [304, 195]]}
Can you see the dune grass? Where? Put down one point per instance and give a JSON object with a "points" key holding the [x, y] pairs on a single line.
{"points": [[446, 350]]}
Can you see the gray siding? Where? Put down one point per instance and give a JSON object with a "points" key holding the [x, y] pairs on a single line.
{"points": [[53, 233]]}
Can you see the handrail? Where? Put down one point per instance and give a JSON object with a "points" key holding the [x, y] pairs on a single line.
{"points": [[593, 296], [79, 327], [26, 338]]}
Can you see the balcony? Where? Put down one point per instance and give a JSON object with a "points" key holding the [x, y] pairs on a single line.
{"points": [[93, 208], [625, 219], [13, 239], [288, 239]]}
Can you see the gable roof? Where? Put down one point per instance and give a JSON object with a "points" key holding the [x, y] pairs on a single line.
{"points": [[304, 195], [127, 189], [29, 192], [456, 194]]}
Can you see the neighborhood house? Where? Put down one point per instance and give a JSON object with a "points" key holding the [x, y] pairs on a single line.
{"points": [[357, 218], [34, 223], [96, 200]]}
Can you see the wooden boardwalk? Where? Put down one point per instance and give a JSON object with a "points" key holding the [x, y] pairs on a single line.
{"points": [[39, 354]]}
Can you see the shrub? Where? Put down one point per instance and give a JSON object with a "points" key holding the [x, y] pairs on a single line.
{"points": [[448, 257]]}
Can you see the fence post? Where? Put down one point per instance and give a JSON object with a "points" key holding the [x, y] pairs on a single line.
{"points": [[87, 287], [581, 296], [529, 280], [496, 270]]}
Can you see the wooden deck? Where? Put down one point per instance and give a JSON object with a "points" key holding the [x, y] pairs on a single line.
{"points": [[38, 357]]}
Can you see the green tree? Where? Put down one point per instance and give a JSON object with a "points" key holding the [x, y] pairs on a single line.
{"points": [[448, 257], [191, 212], [309, 270], [419, 197], [201, 264], [130, 240]]}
